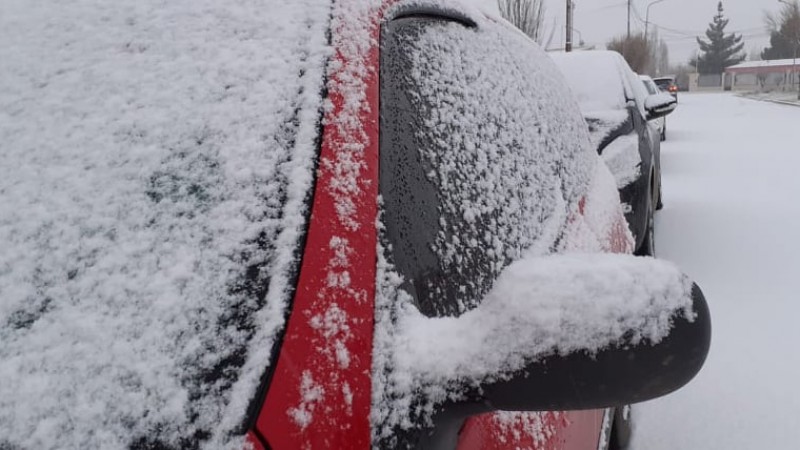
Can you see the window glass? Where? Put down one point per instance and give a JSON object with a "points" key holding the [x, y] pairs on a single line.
{"points": [[651, 87], [483, 152]]}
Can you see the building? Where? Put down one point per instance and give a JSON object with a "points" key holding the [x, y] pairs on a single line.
{"points": [[770, 75]]}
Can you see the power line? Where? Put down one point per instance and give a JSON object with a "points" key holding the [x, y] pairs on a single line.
{"points": [[603, 8]]}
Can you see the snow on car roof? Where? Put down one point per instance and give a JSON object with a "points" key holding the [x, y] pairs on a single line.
{"points": [[155, 163]]}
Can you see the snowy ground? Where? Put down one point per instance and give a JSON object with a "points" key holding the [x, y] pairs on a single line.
{"points": [[731, 220], [788, 96]]}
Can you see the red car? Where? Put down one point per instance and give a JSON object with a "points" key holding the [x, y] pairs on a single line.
{"points": [[315, 226]]}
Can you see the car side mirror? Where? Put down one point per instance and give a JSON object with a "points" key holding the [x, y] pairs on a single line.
{"points": [[627, 371], [562, 332], [659, 105], [555, 333]]}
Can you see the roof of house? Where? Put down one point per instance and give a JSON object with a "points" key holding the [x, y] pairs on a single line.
{"points": [[773, 63]]}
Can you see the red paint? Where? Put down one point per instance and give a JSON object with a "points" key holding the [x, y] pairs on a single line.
{"points": [[576, 430], [339, 417], [488, 432], [252, 442]]}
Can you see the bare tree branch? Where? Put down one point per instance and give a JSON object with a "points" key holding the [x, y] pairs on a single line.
{"points": [[527, 15]]}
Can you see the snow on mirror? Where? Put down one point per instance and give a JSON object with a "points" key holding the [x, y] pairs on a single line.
{"points": [[659, 105], [561, 332]]}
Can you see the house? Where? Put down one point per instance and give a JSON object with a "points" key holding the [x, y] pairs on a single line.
{"points": [[770, 75]]}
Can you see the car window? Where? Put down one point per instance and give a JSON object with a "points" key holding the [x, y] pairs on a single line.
{"points": [[476, 144], [651, 88], [663, 84]]}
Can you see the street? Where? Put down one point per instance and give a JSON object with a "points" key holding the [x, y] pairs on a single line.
{"points": [[731, 220]]}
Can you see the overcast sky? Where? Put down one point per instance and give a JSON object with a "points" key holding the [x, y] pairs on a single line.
{"points": [[679, 21]]}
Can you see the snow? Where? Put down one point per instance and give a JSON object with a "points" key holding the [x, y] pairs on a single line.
{"points": [[730, 220], [538, 307], [623, 159], [147, 148], [311, 393], [765, 63], [603, 124], [601, 227], [558, 304], [594, 77], [603, 85], [541, 427]]}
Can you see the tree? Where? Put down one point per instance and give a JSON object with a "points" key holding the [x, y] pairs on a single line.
{"points": [[634, 49], [659, 54], [720, 50], [527, 15], [784, 30]]}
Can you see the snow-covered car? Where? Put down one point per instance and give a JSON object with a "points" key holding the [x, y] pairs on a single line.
{"points": [[617, 109], [317, 225], [658, 124]]}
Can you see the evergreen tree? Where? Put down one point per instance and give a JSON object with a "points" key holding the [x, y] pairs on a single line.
{"points": [[784, 33], [720, 50]]}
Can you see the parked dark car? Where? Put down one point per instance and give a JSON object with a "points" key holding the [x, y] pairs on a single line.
{"points": [[318, 225], [617, 109], [668, 85]]}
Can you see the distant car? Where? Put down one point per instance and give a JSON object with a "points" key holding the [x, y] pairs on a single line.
{"points": [[668, 85], [617, 107], [660, 123], [367, 227]]}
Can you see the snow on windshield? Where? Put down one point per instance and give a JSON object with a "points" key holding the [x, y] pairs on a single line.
{"points": [[595, 79], [155, 163], [602, 83]]}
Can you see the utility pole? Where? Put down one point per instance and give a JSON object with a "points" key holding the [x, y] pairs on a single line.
{"points": [[647, 17], [568, 45], [629, 19]]}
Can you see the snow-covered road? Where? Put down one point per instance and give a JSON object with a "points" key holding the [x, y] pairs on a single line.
{"points": [[731, 180]]}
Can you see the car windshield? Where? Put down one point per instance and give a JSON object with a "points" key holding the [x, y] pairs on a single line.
{"points": [[154, 178], [600, 89], [602, 93]]}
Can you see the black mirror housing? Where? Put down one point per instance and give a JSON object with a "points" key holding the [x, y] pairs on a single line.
{"points": [[660, 105], [622, 374], [555, 333]]}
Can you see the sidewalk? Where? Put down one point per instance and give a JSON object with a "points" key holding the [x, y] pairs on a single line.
{"points": [[782, 97]]}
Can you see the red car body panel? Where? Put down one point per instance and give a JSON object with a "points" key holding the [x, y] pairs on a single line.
{"points": [[320, 393], [319, 398], [544, 431]]}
